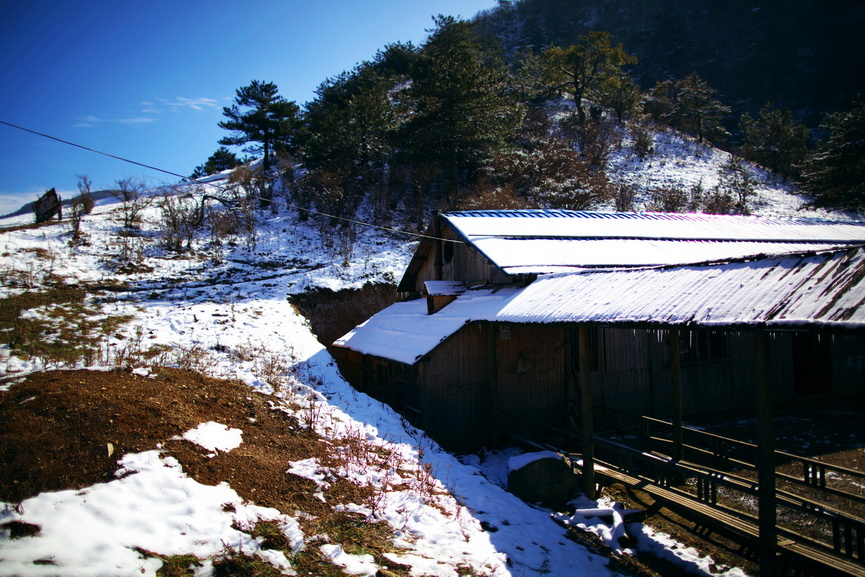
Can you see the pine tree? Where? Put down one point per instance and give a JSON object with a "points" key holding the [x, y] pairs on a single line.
{"points": [[689, 105], [222, 159], [835, 172], [261, 116], [774, 139], [620, 93], [462, 111], [584, 68], [348, 124]]}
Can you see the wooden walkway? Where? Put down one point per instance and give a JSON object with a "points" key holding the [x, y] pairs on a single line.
{"points": [[639, 461]]}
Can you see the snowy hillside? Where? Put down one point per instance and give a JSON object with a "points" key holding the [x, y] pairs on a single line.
{"points": [[679, 161], [223, 308]]}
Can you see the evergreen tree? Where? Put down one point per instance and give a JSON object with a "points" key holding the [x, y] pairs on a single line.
{"points": [[835, 172], [348, 124], [689, 105], [774, 139], [462, 111], [736, 184], [261, 116], [547, 170], [584, 68], [620, 93], [222, 159]]}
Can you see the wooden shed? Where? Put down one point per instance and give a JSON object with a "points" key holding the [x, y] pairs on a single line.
{"points": [[654, 294]]}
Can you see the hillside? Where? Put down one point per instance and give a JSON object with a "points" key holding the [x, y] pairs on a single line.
{"points": [[140, 458], [798, 55]]}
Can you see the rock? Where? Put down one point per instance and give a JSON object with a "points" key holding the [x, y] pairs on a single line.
{"points": [[547, 481]]}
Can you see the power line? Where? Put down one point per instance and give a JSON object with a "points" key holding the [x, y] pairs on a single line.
{"points": [[309, 210], [90, 149]]}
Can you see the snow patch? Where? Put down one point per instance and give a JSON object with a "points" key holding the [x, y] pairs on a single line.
{"points": [[215, 437]]}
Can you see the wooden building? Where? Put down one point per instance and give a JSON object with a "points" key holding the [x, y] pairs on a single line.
{"points": [[487, 343]]}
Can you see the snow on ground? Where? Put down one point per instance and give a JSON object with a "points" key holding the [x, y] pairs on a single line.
{"points": [[152, 506], [235, 299], [240, 303], [680, 161]]}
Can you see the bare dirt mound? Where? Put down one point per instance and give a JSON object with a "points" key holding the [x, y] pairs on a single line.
{"points": [[67, 430], [56, 429]]}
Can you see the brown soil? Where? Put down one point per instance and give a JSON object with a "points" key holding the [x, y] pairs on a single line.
{"points": [[67, 429], [56, 427]]}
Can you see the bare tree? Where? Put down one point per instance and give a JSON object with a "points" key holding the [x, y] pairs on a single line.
{"points": [[131, 193], [85, 193], [181, 217]]}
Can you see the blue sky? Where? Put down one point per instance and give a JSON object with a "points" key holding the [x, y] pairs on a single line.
{"points": [[147, 80]]}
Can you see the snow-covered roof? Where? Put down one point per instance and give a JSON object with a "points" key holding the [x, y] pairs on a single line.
{"points": [[806, 290], [443, 287], [547, 241], [404, 331], [824, 289]]}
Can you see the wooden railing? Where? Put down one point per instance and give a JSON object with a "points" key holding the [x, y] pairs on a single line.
{"points": [[816, 475], [719, 468]]}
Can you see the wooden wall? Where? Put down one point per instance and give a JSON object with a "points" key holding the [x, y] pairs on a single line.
{"points": [[493, 379], [635, 374], [457, 381], [531, 377], [460, 262]]}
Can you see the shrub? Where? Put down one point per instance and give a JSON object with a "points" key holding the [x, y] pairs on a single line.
{"points": [[667, 199], [131, 194]]}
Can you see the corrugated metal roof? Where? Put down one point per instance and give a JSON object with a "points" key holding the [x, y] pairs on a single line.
{"points": [[544, 241], [544, 255], [824, 289], [661, 226], [404, 331]]}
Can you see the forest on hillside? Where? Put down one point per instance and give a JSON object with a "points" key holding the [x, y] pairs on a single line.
{"points": [[803, 55], [523, 106]]}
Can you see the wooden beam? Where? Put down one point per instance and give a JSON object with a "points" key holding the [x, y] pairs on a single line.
{"points": [[769, 565], [494, 381], [438, 248], [676, 392], [588, 413]]}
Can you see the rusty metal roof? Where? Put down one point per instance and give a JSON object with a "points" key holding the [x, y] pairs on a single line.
{"points": [[823, 290], [808, 290]]}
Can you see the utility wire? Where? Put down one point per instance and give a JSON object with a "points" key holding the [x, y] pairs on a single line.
{"points": [[90, 149], [222, 188]]}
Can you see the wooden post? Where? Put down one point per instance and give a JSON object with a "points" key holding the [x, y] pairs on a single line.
{"points": [[676, 392], [494, 379], [766, 460], [588, 413], [568, 380], [438, 248]]}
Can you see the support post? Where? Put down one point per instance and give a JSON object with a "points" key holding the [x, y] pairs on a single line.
{"points": [[676, 392], [766, 460], [494, 329], [438, 248], [587, 413]]}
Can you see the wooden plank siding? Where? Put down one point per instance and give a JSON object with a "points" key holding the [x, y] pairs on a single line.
{"points": [[491, 380], [635, 378], [460, 262], [531, 377], [458, 406]]}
